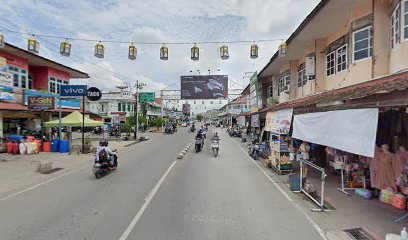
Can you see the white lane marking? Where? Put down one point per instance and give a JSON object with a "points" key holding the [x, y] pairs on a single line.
{"points": [[60, 176], [314, 224], [148, 198], [40, 184]]}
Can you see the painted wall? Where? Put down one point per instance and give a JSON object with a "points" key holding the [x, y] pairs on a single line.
{"points": [[14, 60], [40, 77], [381, 39], [58, 74]]}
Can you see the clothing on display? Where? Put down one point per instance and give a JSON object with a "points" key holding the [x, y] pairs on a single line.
{"points": [[401, 158], [385, 175]]}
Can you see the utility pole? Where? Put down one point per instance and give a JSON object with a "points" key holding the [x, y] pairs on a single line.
{"points": [[138, 86]]}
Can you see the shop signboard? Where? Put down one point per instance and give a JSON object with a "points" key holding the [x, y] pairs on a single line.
{"points": [[204, 87], [6, 93], [241, 121], [73, 90], [146, 97], [115, 120], [255, 120], [254, 92], [235, 111], [93, 94], [279, 121], [41, 103], [6, 78], [186, 109], [65, 103]]}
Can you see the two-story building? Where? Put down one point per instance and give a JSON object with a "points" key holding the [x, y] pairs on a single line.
{"points": [[346, 55], [24, 74]]}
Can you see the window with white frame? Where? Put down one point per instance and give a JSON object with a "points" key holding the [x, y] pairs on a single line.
{"points": [[302, 79], [54, 85], [341, 57], [395, 26], [405, 15], [284, 81], [362, 43], [330, 60], [269, 92]]}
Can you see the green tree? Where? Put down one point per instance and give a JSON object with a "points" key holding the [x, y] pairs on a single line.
{"points": [[199, 117]]}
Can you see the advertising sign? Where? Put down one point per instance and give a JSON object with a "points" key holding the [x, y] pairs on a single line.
{"points": [[6, 78], [65, 103], [115, 120], [253, 95], [255, 120], [279, 121], [41, 103], [93, 94], [204, 87], [6, 93], [146, 97], [73, 90]]}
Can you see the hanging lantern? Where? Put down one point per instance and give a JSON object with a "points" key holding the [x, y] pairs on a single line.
{"points": [[99, 50], [195, 53], [224, 52], [132, 52], [282, 49], [1, 40], [164, 53], [65, 48], [33, 45], [254, 51]]}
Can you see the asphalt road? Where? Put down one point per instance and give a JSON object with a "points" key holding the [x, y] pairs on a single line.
{"points": [[202, 197]]}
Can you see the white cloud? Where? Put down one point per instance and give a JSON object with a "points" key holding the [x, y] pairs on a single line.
{"points": [[156, 21]]}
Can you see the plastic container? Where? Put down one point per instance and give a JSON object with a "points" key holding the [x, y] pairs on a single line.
{"points": [[47, 147], [16, 138], [10, 147], [15, 148], [55, 145], [294, 182], [364, 193], [64, 146], [39, 145]]}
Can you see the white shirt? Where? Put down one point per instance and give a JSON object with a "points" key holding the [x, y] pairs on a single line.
{"points": [[304, 151], [107, 149]]}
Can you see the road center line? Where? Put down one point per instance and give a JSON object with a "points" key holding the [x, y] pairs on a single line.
{"points": [[314, 224], [148, 198]]}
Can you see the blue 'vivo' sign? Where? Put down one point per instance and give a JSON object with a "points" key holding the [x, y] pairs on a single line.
{"points": [[73, 90]]}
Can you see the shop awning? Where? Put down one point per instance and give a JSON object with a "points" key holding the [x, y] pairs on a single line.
{"points": [[73, 120], [12, 106], [352, 130]]}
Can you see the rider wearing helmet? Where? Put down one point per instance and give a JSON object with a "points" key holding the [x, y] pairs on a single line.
{"points": [[102, 150], [215, 137]]}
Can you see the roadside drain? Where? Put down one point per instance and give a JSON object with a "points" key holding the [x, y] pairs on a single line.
{"points": [[52, 170], [358, 234]]}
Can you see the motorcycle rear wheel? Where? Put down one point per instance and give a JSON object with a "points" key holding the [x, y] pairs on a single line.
{"points": [[215, 153], [98, 175]]}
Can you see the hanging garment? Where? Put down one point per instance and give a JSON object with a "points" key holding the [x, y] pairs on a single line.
{"points": [[401, 158], [373, 166], [385, 174]]}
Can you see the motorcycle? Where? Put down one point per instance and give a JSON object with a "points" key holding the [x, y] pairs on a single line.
{"points": [[168, 130], [253, 151], [104, 168], [97, 131], [198, 144], [215, 145], [192, 129]]}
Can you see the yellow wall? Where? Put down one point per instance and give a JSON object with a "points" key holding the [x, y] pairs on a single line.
{"points": [[381, 40]]}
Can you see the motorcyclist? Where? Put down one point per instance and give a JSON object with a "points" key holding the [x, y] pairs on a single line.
{"points": [[200, 136], [215, 137], [103, 146]]}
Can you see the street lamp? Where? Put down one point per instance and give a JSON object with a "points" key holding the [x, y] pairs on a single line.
{"points": [[224, 52], [1, 40], [254, 51], [282, 49], [33, 45], [99, 50], [164, 53], [195, 53], [65, 48], [132, 52]]}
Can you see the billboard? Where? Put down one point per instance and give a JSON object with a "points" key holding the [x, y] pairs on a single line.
{"points": [[146, 97], [204, 87], [186, 109]]}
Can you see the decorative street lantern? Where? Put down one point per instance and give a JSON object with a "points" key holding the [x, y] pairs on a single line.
{"points": [[195, 53], [282, 49], [65, 48], [254, 51], [1, 40], [164, 53], [224, 52], [33, 45], [132, 52], [99, 50]]}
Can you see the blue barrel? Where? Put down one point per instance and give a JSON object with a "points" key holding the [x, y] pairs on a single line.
{"points": [[55, 145], [64, 146], [294, 182]]}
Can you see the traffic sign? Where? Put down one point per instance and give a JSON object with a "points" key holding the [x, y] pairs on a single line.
{"points": [[93, 94], [147, 97], [73, 90]]}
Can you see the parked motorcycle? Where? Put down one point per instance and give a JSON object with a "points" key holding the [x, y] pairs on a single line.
{"points": [[169, 130], [253, 151], [198, 144], [105, 168], [215, 146]]}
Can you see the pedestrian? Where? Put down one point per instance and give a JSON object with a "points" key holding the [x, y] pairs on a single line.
{"points": [[304, 153]]}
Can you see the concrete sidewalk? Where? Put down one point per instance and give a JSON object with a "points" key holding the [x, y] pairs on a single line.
{"points": [[19, 171], [350, 211]]}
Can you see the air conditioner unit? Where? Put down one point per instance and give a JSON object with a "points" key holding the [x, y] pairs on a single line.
{"points": [[286, 88]]}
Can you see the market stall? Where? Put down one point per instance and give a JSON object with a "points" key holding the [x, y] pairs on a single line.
{"points": [[278, 125]]}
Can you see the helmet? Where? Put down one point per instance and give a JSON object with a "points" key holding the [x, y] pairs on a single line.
{"points": [[215, 134], [103, 143]]}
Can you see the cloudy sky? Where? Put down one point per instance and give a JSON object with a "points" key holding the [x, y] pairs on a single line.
{"points": [[155, 21]]}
